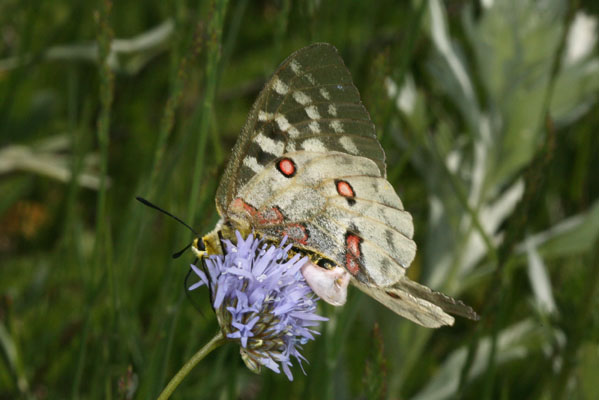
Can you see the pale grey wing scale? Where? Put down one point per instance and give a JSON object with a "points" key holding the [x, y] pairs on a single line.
{"points": [[310, 200], [310, 103]]}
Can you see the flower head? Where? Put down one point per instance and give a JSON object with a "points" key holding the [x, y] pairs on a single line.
{"points": [[262, 301]]}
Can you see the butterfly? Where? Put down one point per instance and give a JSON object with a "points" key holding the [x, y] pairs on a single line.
{"points": [[308, 166]]}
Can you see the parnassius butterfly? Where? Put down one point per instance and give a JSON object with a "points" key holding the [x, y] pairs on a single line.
{"points": [[308, 166]]}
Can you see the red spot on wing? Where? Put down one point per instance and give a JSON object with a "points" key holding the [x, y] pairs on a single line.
{"points": [[395, 296], [270, 216], [287, 167], [239, 205], [344, 189], [352, 253], [353, 244], [297, 233], [352, 265]]}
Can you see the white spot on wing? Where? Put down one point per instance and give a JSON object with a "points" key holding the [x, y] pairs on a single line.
{"points": [[312, 112], [314, 127], [348, 144], [280, 86], [301, 98], [264, 116], [269, 145], [282, 122], [314, 145], [293, 132], [296, 67], [336, 126], [332, 110], [285, 126], [252, 164], [325, 93]]}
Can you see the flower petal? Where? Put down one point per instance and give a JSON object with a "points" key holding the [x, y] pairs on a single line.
{"points": [[260, 293]]}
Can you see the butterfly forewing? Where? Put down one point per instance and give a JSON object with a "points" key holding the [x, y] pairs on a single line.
{"points": [[310, 103]]}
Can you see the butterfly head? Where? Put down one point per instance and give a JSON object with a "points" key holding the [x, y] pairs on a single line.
{"points": [[198, 247], [208, 244], [212, 242]]}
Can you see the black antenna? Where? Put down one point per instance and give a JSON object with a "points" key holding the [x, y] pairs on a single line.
{"points": [[155, 207], [180, 252]]}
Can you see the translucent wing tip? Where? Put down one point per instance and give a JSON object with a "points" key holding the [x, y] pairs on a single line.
{"points": [[447, 303]]}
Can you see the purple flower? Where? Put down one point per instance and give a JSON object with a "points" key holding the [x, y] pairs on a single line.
{"points": [[262, 301]]}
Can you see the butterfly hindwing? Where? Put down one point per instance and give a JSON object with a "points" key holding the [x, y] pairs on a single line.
{"points": [[419, 303], [336, 205], [409, 306]]}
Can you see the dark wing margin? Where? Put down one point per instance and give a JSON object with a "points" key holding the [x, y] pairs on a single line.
{"points": [[310, 103]]}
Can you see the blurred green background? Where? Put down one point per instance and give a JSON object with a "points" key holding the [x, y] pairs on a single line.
{"points": [[488, 113]]}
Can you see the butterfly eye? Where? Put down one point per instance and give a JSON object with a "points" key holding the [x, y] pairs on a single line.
{"points": [[198, 244], [287, 167]]}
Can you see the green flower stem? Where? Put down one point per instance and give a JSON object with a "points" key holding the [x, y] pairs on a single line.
{"points": [[197, 357]]}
